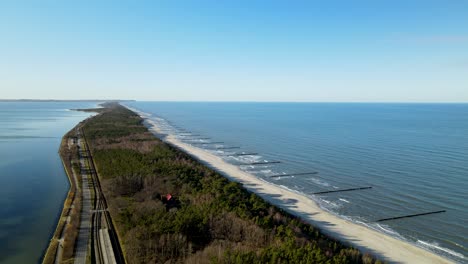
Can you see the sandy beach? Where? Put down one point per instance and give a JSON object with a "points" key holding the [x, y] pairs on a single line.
{"points": [[383, 246]]}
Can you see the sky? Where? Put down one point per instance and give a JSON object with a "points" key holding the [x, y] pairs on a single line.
{"points": [[317, 51]]}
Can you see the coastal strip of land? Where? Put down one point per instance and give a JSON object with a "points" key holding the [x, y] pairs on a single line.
{"points": [[169, 201], [368, 240], [167, 207], [84, 232]]}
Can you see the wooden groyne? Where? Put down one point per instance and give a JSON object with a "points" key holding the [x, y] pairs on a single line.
{"points": [[412, 215], [344, 190], [261, 163], [206, 143], [228, 148], [241, 154], [293, 174]]}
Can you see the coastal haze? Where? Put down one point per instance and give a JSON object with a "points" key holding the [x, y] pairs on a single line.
{"points": [[33, 183], [413, 155]]}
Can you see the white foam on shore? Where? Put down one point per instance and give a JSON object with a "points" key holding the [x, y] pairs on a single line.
{"points": [[387, 244], [388, 230], [344, 200], [319, 181], [437, 247]]}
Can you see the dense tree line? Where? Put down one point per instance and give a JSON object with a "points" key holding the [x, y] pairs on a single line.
{"points": [[213, 221]]}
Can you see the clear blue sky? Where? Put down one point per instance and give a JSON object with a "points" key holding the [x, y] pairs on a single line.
{"points": [[235, 50]]}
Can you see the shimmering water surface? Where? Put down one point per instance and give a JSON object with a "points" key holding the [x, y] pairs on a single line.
{"points": [[415, 156], [33, 183]]}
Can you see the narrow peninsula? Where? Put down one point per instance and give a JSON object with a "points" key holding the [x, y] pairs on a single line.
{"points": [[143, 200]]}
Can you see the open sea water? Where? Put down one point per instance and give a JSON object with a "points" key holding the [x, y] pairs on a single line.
{"points": [[33, 184], [415, 157]]}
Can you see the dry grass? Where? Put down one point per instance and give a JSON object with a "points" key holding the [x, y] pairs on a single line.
{"points": [[71, 231], [49, 257], [68, 261]]}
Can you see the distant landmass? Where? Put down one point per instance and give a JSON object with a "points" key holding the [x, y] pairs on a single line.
{"points": [[60, 100]]}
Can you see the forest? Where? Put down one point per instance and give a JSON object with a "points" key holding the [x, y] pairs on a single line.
{"points": [[206, 218]]}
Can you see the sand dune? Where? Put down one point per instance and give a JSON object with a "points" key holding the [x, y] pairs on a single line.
{"points": [[383, 246]]}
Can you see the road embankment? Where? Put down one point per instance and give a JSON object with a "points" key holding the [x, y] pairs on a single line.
{"points": [[61, 245]]}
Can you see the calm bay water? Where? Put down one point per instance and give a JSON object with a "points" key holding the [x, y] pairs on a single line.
{"points": [[33, 183], [415, 156]]}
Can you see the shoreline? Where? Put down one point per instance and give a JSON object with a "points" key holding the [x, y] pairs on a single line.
{"points": [[50, 252], [359, 236]]}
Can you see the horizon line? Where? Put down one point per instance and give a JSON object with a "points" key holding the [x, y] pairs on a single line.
{"points": [[224, 101]]}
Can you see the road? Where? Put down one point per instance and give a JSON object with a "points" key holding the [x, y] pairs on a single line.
{"points": [[81, 248], [104, 242]]}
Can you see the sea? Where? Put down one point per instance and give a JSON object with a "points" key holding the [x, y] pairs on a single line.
{"points": [[414, 156], [33, 184]]}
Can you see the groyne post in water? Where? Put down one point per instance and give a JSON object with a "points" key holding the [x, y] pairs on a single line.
{"points": [[344, 190], [206, 143], [229, 148], [241, 154], [412, 215], [260, 163]]}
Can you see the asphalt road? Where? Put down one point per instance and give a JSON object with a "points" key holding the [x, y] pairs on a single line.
{"points": [[81, 249]]}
